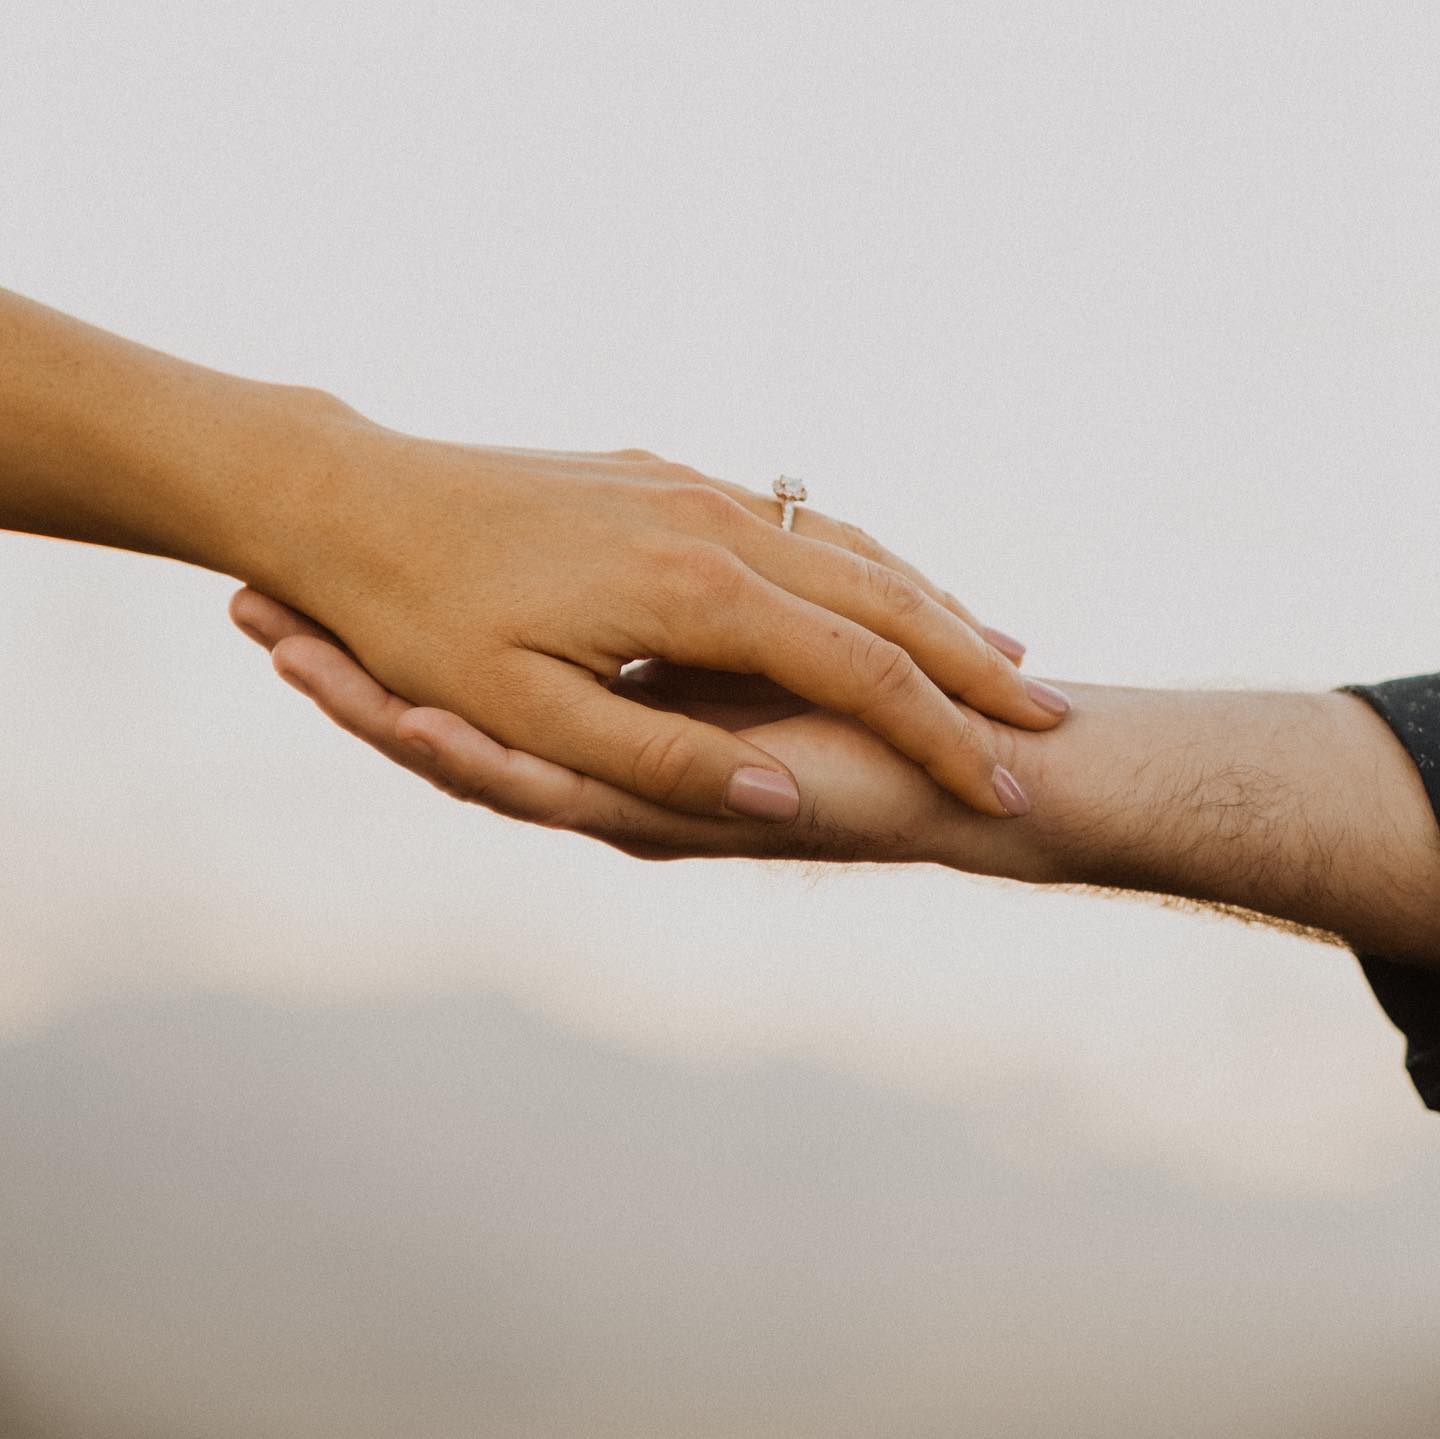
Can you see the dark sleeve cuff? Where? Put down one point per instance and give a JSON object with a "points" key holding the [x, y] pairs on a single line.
{"points": [[1410, 995]]}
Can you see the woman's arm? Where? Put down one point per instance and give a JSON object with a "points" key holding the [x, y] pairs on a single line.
{"points": [[509, 586], [107, 441]]}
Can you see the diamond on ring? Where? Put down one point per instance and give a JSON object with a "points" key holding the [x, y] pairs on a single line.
{"points": [[790, 492]]}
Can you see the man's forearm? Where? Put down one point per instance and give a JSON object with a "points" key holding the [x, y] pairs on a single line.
{"points": [[1301, 807]]}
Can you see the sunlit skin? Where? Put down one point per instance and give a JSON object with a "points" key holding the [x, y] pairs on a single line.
{"points": [[1301, 808], [508, 585], [474, 607]]}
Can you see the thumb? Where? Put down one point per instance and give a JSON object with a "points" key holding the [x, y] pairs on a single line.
{"points": [[664, 757]]}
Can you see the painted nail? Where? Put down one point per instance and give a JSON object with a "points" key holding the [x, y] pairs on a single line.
{"points": [[1011, 648], [762, 794], [1048, 697], [1008, 790]]}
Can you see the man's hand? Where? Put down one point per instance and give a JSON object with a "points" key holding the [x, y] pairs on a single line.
{"points": [[863, 800], [1301, 807]]}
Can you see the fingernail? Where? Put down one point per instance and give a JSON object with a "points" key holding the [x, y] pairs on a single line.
{"points": [[252, 632], [1008, 790], [1011, 648], [291, 678], [762, 794], [1048, 697], [420, 746]]}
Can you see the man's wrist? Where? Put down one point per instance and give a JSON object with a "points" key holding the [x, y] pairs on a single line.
{"points": [[1298, 806], [1160, 789]]}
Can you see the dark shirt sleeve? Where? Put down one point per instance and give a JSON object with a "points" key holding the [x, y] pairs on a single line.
{"points": [[1409, 995]]}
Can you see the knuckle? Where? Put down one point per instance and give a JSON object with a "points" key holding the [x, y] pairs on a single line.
{"points": [[663, 764], [635, 454], [893, 592], [1001, 671], [714, 575], [701, 506], [674, 470], [661, 577], [885, 669], [313, 400], [858, 541], [996, 674], [556, 815], [969, 739]]}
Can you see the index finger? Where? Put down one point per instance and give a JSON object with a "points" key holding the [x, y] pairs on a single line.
{"points": [[838, 664]]}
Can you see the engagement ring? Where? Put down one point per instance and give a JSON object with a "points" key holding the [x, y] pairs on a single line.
{"points": [[789, 492]]}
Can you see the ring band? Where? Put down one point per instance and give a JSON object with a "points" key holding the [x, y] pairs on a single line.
{"points": [[790, 492]]}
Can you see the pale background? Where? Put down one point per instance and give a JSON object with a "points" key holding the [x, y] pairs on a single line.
{"points": [[328, 1106]]}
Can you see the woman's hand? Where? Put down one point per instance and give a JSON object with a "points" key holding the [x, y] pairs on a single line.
{"points": [[864, 802], [511, 586]]}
